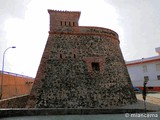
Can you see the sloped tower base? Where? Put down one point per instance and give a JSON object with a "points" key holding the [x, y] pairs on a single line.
{"points": [[81, 67]]}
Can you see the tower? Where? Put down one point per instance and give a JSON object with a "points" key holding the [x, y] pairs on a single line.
{"points": [[81, 67]]}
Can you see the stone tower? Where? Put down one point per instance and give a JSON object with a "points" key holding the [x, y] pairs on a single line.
{"points": [[81, 67]]}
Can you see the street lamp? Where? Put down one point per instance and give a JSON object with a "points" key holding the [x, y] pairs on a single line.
{"points": [[144, 93], [1, 90]]}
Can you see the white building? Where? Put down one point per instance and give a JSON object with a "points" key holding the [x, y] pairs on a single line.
{"points": [[145, 69]]}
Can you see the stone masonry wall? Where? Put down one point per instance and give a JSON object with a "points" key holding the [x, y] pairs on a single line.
{"points": [[14, 102], [67, 78], [81, 67]]}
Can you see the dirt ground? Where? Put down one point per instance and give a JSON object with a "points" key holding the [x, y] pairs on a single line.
{"points": [[150, 98]]}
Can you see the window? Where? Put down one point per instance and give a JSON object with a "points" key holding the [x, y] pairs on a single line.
{"points": [[158, 67], [158, 77], [74, 56], [61, 23], [146, 78], [95, 66], [144, 68], [60, 55]]}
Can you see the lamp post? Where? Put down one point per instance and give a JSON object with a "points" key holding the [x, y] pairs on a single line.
{"points": [[1, 90], [144, 92]]}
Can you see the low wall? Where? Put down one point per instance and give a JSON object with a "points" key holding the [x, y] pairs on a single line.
{"points": [[50, 111], [15, 102], [15, 85]]}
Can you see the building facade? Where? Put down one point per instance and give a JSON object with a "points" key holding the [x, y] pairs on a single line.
{"points": [[14, 85], [145, 69], [81, 67]]}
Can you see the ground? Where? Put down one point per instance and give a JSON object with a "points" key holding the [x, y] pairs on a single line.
{"points": [[153, 102], [153, 98]]}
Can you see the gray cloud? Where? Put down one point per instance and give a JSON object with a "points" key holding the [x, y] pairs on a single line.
{"points": [[13, 8], [140, 20], [10, 9]]}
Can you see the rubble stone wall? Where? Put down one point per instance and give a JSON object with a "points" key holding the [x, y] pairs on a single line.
{"points": [[14, 102], [67, 79]]}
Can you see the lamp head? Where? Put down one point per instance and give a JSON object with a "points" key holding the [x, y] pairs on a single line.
{"points": [[13, 46]]}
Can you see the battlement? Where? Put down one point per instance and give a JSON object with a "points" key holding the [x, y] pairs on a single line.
{"points": [[61, 19], [64, 11]]}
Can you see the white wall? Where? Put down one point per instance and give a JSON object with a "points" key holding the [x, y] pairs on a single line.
{"points": [[137, 74]]}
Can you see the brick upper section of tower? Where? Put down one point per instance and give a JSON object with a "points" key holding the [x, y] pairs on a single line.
{"points": [[59, 19], [67, 22]]}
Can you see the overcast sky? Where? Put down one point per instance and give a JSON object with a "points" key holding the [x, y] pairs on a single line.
{"points": [[25, 24]]}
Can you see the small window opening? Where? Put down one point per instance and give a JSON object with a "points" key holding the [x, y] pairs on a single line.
{"points": [[146, 78], [158, 77], [60, 55], [69, 24], [74, 56], [73, 23], [95, 66], [61, 23], [65, 23]]}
